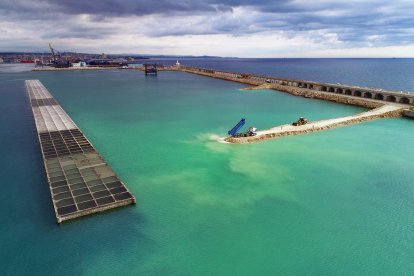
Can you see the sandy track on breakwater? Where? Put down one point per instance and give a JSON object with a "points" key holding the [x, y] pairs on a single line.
{"points": [[287, 130]]}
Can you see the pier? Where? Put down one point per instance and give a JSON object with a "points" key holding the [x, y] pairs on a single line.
{"points": [[348, 94], [384, 111], [79, 179]]}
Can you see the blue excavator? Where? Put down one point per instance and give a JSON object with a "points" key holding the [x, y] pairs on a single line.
{"points": [[238, 126]]}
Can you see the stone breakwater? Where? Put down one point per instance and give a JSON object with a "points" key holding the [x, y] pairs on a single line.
{"points": [[307, 93], [297, 91], [385, 111]]}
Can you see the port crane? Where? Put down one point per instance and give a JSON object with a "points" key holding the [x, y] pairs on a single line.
{"points": [[53, 53], [56, 58], [238, 126]]}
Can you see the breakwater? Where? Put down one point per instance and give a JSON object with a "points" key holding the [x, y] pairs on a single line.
{"points": [[80, 181], [354, 95], [384, 111]]}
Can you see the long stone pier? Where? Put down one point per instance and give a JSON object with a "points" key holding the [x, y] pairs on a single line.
{"points": [[354, 95], [287, 130], [80, 181]]}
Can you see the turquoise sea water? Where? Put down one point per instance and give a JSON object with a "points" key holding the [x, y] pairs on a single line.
{"points": [[337, 202]]}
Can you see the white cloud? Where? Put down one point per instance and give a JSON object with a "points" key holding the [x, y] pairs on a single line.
{"points": [[325, 30]]}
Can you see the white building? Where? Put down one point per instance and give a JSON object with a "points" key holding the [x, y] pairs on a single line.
{"points": [[79, 64]]}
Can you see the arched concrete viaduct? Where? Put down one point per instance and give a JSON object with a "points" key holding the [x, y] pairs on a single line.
{"points": [[363, 92], [390, 98], [404, 100], [348, 92], [379, 96], [368, 95]]}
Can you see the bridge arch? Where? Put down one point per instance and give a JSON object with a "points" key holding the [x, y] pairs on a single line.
{"points": [[368, 95], [404, 100], [391, 98], [339, 91], [348, 92], [379, 97], [323, 88], [357, 93], [331, 89], [310, 86]]}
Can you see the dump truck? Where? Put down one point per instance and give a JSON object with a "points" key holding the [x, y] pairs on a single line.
{"points": [[233, 132]]}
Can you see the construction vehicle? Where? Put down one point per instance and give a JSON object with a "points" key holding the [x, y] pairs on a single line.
{"points": [[302, 121], [233, 132]]}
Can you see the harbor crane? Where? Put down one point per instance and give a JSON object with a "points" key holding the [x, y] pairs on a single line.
{"points": [[56, 58], [53, 53]]}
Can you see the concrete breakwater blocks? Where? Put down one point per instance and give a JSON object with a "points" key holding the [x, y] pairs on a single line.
{"points": [[408, 113], [80, 181]]}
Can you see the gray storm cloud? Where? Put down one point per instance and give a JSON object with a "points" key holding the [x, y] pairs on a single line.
{"points": [[356, 23]]}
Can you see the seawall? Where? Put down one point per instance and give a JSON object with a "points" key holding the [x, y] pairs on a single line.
{"points": [[353, 95], [385, 111]]}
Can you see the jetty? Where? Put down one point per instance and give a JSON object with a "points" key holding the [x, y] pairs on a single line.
{"points": [[341, 93], [80, 181], [384, 111]]}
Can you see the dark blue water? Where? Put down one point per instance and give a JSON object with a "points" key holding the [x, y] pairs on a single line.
{"points": [[392, 74]]}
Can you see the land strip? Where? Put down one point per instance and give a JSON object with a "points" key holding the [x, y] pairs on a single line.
{"points": [[384, 111]]}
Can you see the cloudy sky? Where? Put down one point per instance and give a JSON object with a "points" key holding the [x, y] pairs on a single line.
{"points": [[244, 28]]}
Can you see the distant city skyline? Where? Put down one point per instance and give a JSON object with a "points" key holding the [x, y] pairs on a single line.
{"points": [[246, 28]]}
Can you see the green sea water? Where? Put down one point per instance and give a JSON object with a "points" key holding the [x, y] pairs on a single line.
{"points": [[337, 202]]}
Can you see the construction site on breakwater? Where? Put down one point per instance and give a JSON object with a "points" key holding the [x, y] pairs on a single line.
{"points": [[382, 103]]}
